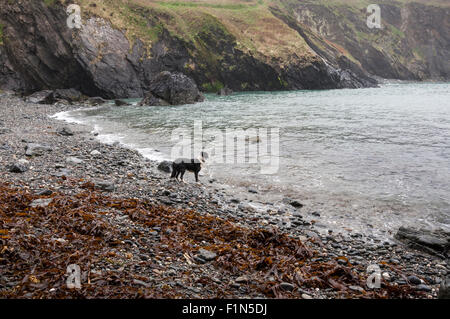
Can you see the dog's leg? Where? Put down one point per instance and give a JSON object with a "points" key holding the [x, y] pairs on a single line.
{"points": [[196, 176], [182, 175]]}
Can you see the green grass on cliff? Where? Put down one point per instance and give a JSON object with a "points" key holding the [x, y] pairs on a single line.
{"points": [[250, 22]]}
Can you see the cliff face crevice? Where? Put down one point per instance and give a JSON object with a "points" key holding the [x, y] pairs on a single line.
{"points": [[298, 45]]}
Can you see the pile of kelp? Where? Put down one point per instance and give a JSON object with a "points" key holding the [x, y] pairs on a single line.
{"points": [[37, 243]]}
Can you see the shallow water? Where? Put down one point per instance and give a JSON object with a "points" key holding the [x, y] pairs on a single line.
{"points": [[365, 159]]}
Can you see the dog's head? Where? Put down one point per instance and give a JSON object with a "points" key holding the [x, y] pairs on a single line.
{"points": [[203, 157]]}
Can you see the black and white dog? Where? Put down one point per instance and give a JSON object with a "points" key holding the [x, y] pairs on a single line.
{"points": [[181, 165]]}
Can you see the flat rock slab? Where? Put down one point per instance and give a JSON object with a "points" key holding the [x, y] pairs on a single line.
{"points": [[426, 240], [207, 254], [34, 149]]}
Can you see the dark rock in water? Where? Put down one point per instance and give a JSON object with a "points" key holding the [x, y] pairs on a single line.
{"points": [[434, 242], [225, 91], [175, 88], [151, 100], [65, 131], [17, 168], [96, 100], [33, 149], [444, 289], [121, 103], [68, 95], [41, 97], [165, 166], [105, 185]]}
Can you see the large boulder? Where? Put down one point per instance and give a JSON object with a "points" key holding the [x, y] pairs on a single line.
{"points": [[173, 88], [41, 97], [434, 242], [68, 95], [150, 100]]}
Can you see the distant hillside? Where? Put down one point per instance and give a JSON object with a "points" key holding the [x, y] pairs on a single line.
{"points": [[242, 44]]}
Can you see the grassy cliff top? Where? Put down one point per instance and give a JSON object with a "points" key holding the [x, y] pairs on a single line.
{"points": [[250, 22]]}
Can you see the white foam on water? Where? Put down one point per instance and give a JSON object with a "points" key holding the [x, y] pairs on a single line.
{"points": [[67, 117], [153, 154], [110, 138]]}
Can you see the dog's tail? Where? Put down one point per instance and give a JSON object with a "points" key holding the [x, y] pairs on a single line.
{"points": [[174, 172]]}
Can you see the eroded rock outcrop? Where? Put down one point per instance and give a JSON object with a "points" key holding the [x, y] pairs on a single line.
{"points": [[173, 89]]}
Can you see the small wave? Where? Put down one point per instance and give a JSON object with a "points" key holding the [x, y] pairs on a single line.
{"points": [[67, 117], [153, 154]]}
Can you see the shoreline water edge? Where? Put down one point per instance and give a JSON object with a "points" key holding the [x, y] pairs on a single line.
{"points": [[48, 163]]}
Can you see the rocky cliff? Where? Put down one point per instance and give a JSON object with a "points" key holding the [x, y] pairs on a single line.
{"points": [[244, 45], [413, 42]]}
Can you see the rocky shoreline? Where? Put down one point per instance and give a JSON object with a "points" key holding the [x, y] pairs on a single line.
{"points": [[226, 249]]}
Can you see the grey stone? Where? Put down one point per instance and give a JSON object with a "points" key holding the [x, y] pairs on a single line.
{"points": [[42, 202], [68, 95], [287, 286], [444, 289], [242, 279], [105, 185], [17, 168], [413, 280], [207, 254], [165, 166], [435, 242], [423, 287], [34, 149], [65, 131], [74, 160], [41, 97], [121, 103]]}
